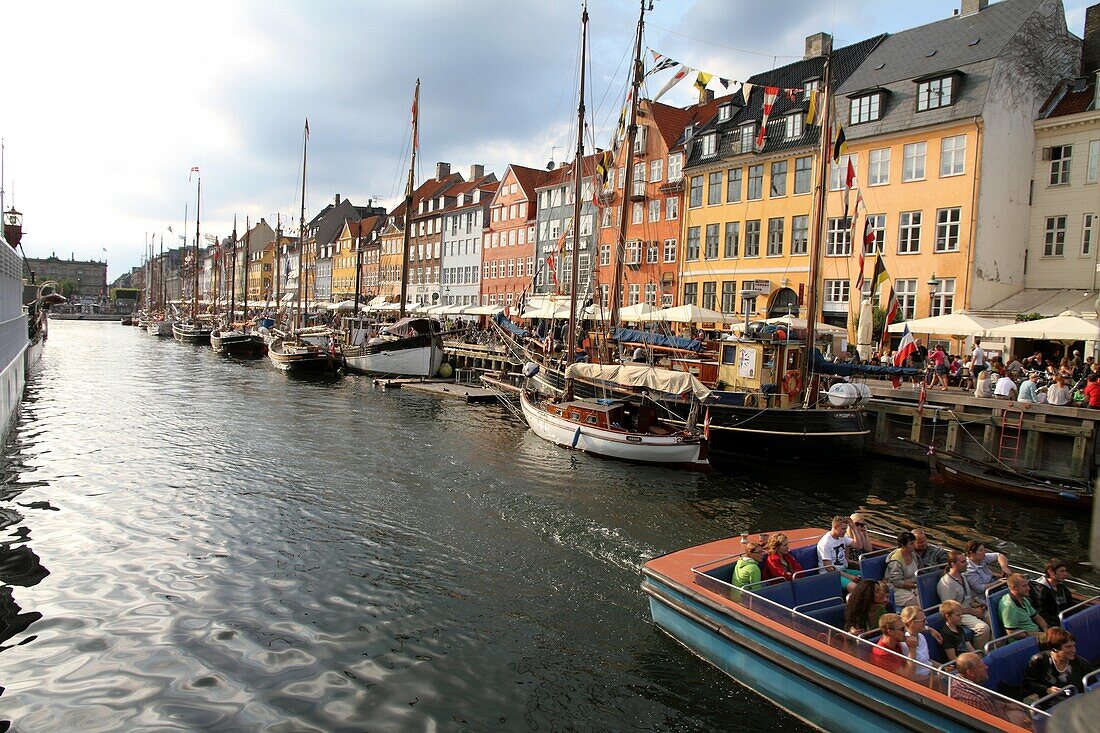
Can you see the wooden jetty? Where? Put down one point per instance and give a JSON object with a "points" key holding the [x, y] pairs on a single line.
{"points": [[441, 388]]}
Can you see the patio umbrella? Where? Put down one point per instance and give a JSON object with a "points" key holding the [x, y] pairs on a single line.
{"points": [[636, 312], [484, 310], [959, 323], [865, 331], [1067, 326], [690, 313]]}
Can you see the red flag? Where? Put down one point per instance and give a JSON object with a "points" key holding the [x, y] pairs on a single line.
{"points": [[906, 349], [770, 94], [415, 110], [850, 178]]}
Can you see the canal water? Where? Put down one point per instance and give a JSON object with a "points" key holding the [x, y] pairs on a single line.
{"points": [[194, 543]]}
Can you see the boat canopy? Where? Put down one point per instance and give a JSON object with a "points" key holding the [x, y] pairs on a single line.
{"points": [[845, 369], [501, 320], [638, 375], [656, 339]]}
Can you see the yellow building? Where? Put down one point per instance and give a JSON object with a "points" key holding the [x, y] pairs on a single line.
{"points": [[344, 260]]}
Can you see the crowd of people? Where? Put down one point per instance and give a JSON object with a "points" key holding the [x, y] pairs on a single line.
{"points": [[893, 606]]}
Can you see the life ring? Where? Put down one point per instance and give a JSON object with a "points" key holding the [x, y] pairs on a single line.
{"points": [[792, 384]]}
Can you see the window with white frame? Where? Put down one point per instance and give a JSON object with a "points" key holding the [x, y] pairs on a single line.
{"points": [[672, 208], [1092, 170], [651, 293], [605, 255], [837, 296], [865, 108], [935, 93], [710, 251], [943, 302], [714, 188], [811, 86], [912, 165], [876, 227], [1088, 234], [909, 223], [708, 145], [878, 167], [605, 218], [725, 112], [511, 268], [1060, 158], [794, 126], [733, 185], [692, 243], [670, 250], [906, 293], [953, 156], [947, 229], [652, 253], [747, 136], [639, 176], [1054, 240], [756, 183], [778, 179], [733, 239], [640, 139], [800, 234], [637, 213], [838, 238], [675, 167], [803, 174], [838, 171], [655, 210], [656, 170]]}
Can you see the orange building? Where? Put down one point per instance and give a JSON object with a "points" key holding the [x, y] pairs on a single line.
{"points": [[508, 243]]}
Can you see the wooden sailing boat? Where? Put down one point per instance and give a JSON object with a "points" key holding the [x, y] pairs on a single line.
{"points": [[612, 428], [192, 330], [292, 351], [233, 337]]}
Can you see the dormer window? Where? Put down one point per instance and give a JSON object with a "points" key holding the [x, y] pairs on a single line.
{"points": [[747, 134], [725, 112], [794, 126], [708, 145], [936, 92], [811, 85], [866, 108]]}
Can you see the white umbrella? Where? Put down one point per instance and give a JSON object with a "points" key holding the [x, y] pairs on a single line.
{"points": [[690, 313], [636, 312], [1068, 326], [959, 323], [343, 305], [484, 310], [865, 332], [547, 309]]}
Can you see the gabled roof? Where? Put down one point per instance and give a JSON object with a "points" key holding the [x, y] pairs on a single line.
{"points": [[487, 184], [529, 179], [433, 187], [564, 172]]}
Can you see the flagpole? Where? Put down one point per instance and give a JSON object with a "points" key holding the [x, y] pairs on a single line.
{"points": [[409, 201], [578, 174], [807, 366]]}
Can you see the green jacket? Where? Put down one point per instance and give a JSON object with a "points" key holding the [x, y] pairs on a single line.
{"points": [[745, 572]]}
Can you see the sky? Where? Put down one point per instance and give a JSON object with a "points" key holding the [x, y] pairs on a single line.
{"points": [[106, 107]]}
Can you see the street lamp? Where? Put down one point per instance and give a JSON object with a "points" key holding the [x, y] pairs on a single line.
{"points": [[933, 290]]}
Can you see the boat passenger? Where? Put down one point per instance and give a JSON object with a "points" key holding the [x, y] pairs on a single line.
{"points": [[861, 541], [955, 587], [953, 637], [916, 622], [832, 551], [866, 606], [1055, 668], [1050, 595], [1017, 613], [977, 572], [928, 555], [891, 644], [901, 570], [973, 669], [747, 569], [780, 563]]}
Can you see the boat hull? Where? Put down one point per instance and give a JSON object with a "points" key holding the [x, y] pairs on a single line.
{"points": [[237, 344], [308, 360], [189, 335], [974, 478], [419, 356], [160, 328], [13, 377], [671, 449]]}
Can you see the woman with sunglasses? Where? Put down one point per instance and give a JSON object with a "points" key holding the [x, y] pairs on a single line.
{"points": [[861, 541]]}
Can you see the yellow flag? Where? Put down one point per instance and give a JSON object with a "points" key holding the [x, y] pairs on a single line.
{"points": [[811, 112], [701, 82]]}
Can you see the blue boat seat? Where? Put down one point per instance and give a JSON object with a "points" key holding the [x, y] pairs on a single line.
{"points": [[927, 580], [935, 649], [1085, 626], [832, 615], [780, 593], [993, 595], [816, 587], [1007, 665], [806, 556], [722, 572], [872, 566]]}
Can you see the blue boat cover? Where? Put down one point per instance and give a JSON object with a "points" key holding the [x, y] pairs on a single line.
{"points": [[823, 366], [503, 321], [657, 339]]}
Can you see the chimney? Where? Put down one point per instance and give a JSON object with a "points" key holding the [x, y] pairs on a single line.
{"points": [[442, 170], [477, 170], [819, 44], [1090, 44], [969, 7], [337, 199], [708, 96]]}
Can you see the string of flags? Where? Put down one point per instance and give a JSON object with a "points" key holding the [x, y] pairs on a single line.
{"points": [[703, 80]]}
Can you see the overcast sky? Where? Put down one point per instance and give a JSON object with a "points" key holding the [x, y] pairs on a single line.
{"points": [[106, 106]]}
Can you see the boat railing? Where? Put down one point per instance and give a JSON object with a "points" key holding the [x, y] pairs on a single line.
{"points": [[800, 619]]}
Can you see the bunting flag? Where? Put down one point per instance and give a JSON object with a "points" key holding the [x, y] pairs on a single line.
{"points": [[840, 146], [701, 82], [725, 82], [660, 63], [746, 92], [891, 316], [905, 349], [770, 95], [812, 110], [850, 176], [678, 77]]}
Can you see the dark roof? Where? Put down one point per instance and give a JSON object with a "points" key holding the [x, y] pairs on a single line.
{"points": [[564, 172], [530, 178], [792, 76], [330, 222], [1064, 101]]}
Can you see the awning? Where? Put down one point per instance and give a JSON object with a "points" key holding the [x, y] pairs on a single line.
{"points": [[1066, 327], [1046, 302], [632, 375], [952, 324]]}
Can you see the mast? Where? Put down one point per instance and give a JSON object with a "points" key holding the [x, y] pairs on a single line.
{"points": [[233, 278], [358, 266], [571, 338], [807, 366], [278, 256], [195, 294], [628, 182], [302, 228], [247, 233], [409, 201], [160, 276]]}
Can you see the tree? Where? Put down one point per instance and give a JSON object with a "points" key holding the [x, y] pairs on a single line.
{"points": [[67, 287]]}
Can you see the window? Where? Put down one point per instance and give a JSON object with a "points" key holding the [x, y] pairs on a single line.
{"points": [[878, 170], [811, 86], [793, 126], [695, 192], [1088, 234], [733, 185], [655, 210], [729, 296], [651, 293], [837, 294], [800, 234], [953, 156], [708, 145], [909, 232], [605, 255], [672, 208], [876, 227], [639, 176], [725, 112], [756, 183], [511, 268], [605, 218], [803, 172], [1060, 158], [935, 93], [710, 294], [865, 109], [746, 137], [943, 302], [906, 293], [693, 243], [714, 189], [775, 237], [947, 230], [675, 167], [670, 250], [652, 255], [656, 170], [752, 238], [640, 139], [633, 291], [637, 213], [733, 237], [838, 171], [1094, 162], [691, 293], [912, 167], [711, 251], [778, 179], [1054, 243], [838, 238]]}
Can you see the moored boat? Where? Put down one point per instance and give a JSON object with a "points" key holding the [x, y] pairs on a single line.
{"points": [[237, 341], [412, 347], [291, 354], [191, 331], [973, 476]]}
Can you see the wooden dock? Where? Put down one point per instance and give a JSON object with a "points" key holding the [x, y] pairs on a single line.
{"points": [[441, 388]]}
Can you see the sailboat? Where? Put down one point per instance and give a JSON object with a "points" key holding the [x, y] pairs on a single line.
{"points": [[237, 338], [411, 347], [192, 330], [293, 351], [626, 429]]}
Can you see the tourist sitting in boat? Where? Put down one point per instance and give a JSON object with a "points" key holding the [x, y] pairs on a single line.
{"points": [[915, 622], [1017, 613], [977, 572], [927, 554], [780, 563], [891, 644], [861, 541], [901, 570], [953, 636], [973, 669], [747, 569], [865, 607], [955, 588], [832, 551], [1055, 668], [1050, 595]]}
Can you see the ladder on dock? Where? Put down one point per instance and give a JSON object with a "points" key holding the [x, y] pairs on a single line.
{"points": [[1012, 432]]}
